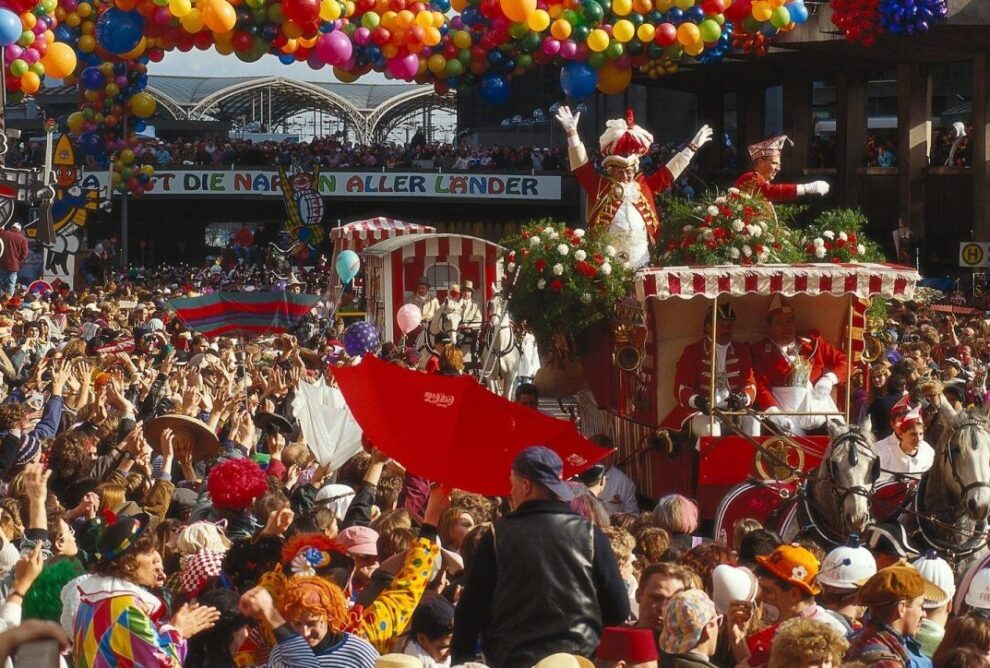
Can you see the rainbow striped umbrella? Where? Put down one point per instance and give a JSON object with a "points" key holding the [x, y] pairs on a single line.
{"points": [[243, 313]]}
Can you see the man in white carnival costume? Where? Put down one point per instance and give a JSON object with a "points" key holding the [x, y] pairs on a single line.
{"points": [[622, 201]]}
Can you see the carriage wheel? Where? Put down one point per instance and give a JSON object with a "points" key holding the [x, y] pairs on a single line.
{"points": [[771, 458]]}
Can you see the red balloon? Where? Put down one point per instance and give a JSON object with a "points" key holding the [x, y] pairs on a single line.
{"points": [[666, 33], [381, 36], [204, 40], [713, 7], [739, 10], [242, 41], [301, 11]]}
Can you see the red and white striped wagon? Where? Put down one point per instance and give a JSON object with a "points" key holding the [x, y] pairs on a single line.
{"points": [[831, 298], [361, 234], [393, 266]]}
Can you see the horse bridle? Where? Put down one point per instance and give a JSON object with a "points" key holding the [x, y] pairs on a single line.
{"points": [[853, 440], [968, 423]]}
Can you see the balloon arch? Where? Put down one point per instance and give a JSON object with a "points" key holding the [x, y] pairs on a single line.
{"points": [[465, 46]]}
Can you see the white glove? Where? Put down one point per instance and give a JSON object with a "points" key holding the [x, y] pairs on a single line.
{"points": [[783, 421], [823, 388], [816, 188], [568, 120], [703, 136]]}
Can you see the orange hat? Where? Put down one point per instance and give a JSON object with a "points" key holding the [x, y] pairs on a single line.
{"points": [[795, 565]]}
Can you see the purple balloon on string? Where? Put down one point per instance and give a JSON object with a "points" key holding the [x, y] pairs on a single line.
{"points": [[360, 338]]}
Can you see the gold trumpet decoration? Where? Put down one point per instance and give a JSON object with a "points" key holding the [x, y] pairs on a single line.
{"points": [[874, 341], [626, 354]]}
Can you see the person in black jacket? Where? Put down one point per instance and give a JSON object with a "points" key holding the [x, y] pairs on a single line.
{"points": [[544, 580]]}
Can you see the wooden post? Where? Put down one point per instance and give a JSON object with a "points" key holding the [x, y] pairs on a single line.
{"points": [[980, 142], [850, 128], [914, 129]]}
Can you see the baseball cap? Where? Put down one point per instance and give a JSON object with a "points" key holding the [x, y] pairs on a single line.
{"points": [[433, 617], [897, 582], [359, 540], [937, 571], [542, 465], [845, 566], [793, 564], [685, 617]]}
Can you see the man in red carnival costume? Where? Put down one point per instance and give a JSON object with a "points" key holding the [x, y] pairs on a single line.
{"points": [[766, 165], [796, 372], [735, 385], [622, 201]]}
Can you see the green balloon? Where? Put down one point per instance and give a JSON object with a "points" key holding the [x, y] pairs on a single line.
{"points": [[38, 69], [275, 14], [580, 33], [780, 17], [464, 56], [259, 16], [750, 24], [635, 48], [655, 52], [614, 50], [530, 43], [19, 67], [570, 16], [635, 19], [596, 60], [674, 52], [593, 12], [524, 61], [710, 30], [517, 30], [454, 68]]}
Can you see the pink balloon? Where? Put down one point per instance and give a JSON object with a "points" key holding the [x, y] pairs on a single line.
{"points": [[31, 56], [409, 318], [13, 52], [361, 36], [334, 48], [404, 67], [567, 49], [551, 46]]}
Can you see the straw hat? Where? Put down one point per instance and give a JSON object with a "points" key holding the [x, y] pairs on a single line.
{"points": [[205, 444]]}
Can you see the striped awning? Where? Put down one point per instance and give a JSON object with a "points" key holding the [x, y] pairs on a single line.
{"points": [[243, 313], [436, 246], [360, 234], [858, 279]]}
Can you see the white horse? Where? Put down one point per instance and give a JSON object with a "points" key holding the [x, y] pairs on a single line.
{"points": [[500, 352]]}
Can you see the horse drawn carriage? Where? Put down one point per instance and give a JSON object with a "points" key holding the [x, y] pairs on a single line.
{"points": [[736, 474]]}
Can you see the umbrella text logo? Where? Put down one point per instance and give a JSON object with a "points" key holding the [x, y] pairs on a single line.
{"points": [[439, 399], [576, 460]]}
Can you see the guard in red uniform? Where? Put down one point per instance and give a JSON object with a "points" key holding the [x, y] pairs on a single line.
{"points": [[795, 372], [766, 165], [622, 201], [735, 384]]}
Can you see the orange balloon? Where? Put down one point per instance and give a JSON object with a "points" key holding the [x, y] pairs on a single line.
{"points": [[612, 80], [60, 60], [518, 10], [405, 19], [30, 83], [219, 16]]}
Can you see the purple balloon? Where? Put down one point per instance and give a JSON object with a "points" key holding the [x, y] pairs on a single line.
{"points": [[568, 49], [362, 36], [404, 67], [551, 46]]}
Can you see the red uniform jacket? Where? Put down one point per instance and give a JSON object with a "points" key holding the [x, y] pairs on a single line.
{"points": [[774, 370], [694, 376], [605, 196], [751, 182]]}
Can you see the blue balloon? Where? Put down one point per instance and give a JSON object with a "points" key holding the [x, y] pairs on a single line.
{"points": [[440, 5], [348, 265], [140, 125], [286, 59], [10, 27], [360, 338], [119, 31], [494, 88], [578, 80], [799, 13], [65, 35], [90, 143]]}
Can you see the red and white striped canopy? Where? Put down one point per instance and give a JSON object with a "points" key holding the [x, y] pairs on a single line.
{"points": [[858, 279], [363, 233]]}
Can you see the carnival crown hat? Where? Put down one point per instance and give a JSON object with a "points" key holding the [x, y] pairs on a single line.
{"points": [[769, 147], [623, 142]]}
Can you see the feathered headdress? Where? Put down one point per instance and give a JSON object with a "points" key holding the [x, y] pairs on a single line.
{"points": [[623, 142]]}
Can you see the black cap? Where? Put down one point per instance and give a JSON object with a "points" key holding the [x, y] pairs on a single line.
{"points": [[434, 618], [121, 534], [542, 465], [592, 475], [443, 337]]}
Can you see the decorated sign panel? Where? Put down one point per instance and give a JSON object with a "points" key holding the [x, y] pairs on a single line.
{"points": [[241, 182]]}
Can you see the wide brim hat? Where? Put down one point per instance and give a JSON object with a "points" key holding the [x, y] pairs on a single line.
{"points": [[794, 565], [312, 359], [280, 423], [205, 444], [120, 535]]}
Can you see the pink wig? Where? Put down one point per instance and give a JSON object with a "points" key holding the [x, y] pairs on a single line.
{"points": [[677, 514]]}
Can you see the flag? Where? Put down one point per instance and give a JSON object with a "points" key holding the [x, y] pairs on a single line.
{"points": [[243, 313]]}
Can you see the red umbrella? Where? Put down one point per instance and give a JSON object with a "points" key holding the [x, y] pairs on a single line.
{"points": [[452, 430]]}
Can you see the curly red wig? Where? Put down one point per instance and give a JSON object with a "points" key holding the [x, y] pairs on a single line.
{"points": [[313, 595], [236, 483], [304, 541]]}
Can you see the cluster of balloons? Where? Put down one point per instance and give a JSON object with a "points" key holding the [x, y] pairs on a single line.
{"points": [[111, 93], [29, 45], [861, 21]]}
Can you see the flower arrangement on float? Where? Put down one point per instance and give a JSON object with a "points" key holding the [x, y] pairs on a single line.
{"points": [[568, 280], [724, 228], [837, 236]]}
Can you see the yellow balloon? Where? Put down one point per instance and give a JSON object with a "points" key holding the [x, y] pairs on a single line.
{"points": [[623, 31], [84, 9], [462, 39], [193, 21], [87, 43], [694, 49], [598, 40], [645, 33], [518, 10], [224, 48], [75, 122], [436, 63], [684, 5], [179, 8], [621, 7], [143, 105], [330, 10], [307, 42], [344, 76], [762, 10], [72, 20], [538, 21], [664, 5], [555, 10], [424, 19]]}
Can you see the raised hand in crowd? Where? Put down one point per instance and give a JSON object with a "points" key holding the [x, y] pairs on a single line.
{"points": [[192, 618]]}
